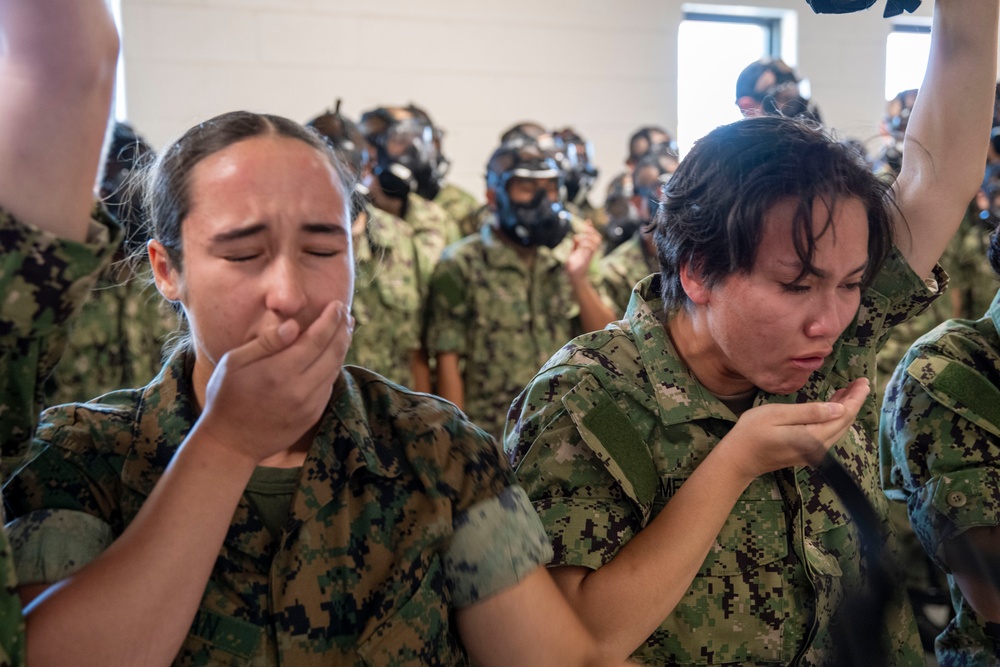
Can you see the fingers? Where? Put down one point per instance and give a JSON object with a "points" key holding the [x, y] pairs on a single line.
{"points": [[319, 341], [271, 342]]}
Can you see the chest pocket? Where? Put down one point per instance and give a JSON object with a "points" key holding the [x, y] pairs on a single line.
{"points": [[420, 632], [215, 639], [735, 609]]}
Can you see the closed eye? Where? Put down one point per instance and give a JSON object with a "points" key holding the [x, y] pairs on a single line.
{"points": [[794, 288], [237, 259]]}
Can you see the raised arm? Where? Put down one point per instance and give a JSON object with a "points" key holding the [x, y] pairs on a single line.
{"points": [[57, 76], [947, 134]]}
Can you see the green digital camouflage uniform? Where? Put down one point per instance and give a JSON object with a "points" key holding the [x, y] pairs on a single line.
{"points": [[404, 512], [116, 340], [433, 231], [970, 290], [460, 205], [614, 423], [388, 298], [971, 287], [940, 447], [502, 317], [43, 280], [587, 211], [622, 268], [473, 222]]}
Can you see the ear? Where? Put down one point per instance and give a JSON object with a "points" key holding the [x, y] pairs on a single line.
{"points": [[694, 285], [168, 280]]}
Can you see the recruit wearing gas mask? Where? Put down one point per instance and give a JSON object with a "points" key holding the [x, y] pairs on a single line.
{"points": [[405, 154], [346, 140], [577, 165], [769, 86], [542, 221]]}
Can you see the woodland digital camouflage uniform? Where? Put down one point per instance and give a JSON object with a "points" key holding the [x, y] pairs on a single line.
{"points": [[940, 443], [587, 211], [970, 290], [404, 512], [116, 340], [433, 231], [610, 428], [388, 298], [622, 268], [43, 280], [459, 205], [501, 316]]}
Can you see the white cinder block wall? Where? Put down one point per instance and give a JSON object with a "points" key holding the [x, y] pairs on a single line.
{"points": [[602, 66]]}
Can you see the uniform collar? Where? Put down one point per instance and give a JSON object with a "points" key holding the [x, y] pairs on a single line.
{"points": [[166, 412], [679, 395]]}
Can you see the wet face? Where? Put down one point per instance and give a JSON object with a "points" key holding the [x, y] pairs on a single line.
{"points": [[267, 239], [771, 329]]}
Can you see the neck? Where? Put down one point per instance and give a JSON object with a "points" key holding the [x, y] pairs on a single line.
{"points": [[692, 338]]}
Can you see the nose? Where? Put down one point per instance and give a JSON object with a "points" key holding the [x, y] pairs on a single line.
{"points": [[825, 318], [285, 290]]}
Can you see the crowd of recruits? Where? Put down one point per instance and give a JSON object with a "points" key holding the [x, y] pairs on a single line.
{"points": [[524, 214]]}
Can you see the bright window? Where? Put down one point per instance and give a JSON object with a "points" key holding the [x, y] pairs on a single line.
{"points": [[712, 50], [906, 51]]}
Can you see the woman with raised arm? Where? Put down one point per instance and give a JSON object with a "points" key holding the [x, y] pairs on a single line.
{"points": [[672, 456]]}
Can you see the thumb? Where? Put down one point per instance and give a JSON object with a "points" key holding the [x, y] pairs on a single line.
{"points": [[811, 413], [271, 341]]}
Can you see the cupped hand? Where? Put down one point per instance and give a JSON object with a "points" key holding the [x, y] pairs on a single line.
{"points": [[774, 436], [266, 394]]}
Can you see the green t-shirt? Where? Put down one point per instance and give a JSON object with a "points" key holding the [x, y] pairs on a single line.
{"points": [[270, 493]]}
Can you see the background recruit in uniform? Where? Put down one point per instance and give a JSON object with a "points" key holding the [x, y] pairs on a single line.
{"points": [[605, 67]]}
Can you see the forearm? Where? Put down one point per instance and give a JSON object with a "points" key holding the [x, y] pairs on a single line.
{"points": [[135, 603], [449, 376], [594, 313], [623, 602], [58, 75], [974, 558], [420, 371]]}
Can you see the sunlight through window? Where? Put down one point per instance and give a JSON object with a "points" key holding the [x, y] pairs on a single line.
{"points": [[906, 52], [712, 51]]}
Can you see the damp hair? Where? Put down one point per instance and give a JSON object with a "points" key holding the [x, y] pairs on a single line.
{"points": [[711, 213]]}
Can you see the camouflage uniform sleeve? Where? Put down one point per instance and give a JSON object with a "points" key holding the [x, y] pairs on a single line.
{"points": [[496, 539], [898, 294], [582, 500], [43, 281], [941, 426], [64, 502], [447, 306], [497, 542], [50, 545]]}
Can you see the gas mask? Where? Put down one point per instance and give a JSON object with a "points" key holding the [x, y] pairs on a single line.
{"points": [[541, 222], [579, 172], [408, 161]]}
